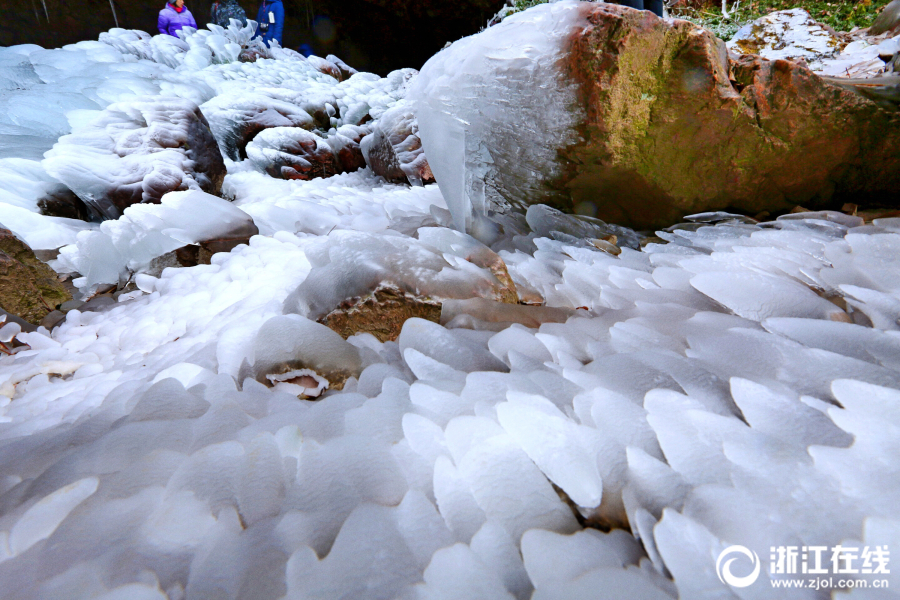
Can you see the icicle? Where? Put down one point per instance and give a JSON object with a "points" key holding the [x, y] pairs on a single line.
{"points": [[46, 13], [36, 15], [115, 18]]}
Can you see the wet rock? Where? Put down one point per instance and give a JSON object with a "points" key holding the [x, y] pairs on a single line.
{"points": [[29, 289], [60, 201], [641, 122], [394, 150], [139, 151]]}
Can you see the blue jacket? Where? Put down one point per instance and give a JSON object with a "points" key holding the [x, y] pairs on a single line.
{"points": [[276, 29]]}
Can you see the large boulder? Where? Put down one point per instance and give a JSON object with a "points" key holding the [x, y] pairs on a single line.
{"points": [[136, 152], [641, 121], [29, 289]]}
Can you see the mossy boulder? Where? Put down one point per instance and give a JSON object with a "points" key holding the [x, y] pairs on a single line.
{"points": [[660, 122], [29, 289]]}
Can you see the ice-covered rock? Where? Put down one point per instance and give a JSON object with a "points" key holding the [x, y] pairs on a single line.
{"points": [[376, 283], [787, 34], [237, 118], [643, 145], [794, 35], [292, 153], [305, 358], [145, 232], [137, 152], [394, 151]]}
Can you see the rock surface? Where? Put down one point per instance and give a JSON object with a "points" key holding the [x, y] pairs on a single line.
{"points": [[641, 122], [139, 152], [381, 313], [29, 289]]}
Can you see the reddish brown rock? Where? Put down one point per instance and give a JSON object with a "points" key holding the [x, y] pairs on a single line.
{"points": [[28, 288], [642, 121], [685, 129]]}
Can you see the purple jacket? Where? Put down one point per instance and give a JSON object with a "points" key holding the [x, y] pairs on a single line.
{"points": [[171, 21]]}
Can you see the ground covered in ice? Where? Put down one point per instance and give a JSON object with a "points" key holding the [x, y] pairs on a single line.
{"points": [[739, 384]]}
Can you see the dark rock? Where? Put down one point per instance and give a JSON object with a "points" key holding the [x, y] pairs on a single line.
{"points": [[29, 289], [60, 201], [201, 254], [53, 319]]}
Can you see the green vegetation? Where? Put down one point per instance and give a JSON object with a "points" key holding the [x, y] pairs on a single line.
{"points": [[842, 15]]}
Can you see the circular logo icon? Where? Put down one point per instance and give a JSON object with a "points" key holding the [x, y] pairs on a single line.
{"points": [[723, 566]]}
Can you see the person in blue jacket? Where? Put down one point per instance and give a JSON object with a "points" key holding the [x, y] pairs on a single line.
{"points": [[271, 21]]}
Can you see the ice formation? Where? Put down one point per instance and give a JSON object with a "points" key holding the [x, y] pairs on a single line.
{"points": [[737, 384], [453, 131], [135, 152]]}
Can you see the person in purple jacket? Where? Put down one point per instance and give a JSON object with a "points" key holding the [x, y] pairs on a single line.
{"points": [[174, 17]]}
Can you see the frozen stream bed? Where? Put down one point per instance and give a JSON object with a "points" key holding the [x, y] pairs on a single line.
{"points": [[738, 385]]}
